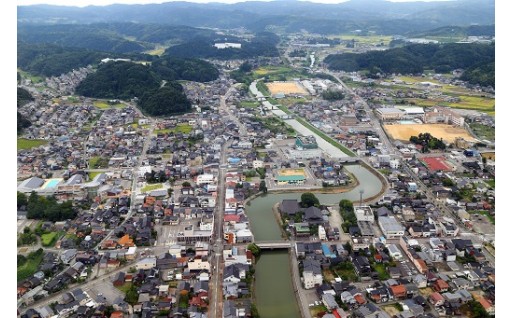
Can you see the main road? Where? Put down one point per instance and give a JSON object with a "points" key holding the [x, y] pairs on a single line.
{"points": [[217, 236]]}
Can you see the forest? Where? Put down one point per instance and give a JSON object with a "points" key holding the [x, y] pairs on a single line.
{"points": [[478, 59]]}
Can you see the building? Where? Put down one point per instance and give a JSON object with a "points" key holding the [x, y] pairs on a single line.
{"points": [[227, 45], [390, 227], [312, 274], [443, 115], [364, 213], [205, 179], [306, 142], [389, 113]]}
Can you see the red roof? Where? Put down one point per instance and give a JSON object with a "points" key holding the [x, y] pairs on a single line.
{"points": [[360, 299], [436, 296], [231, 218], [399, 290], [485, 303]]}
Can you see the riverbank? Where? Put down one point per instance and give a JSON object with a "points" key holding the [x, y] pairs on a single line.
{"points": [[383, 180], [277, 215]]}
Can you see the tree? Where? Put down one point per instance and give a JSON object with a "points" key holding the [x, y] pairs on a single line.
{"points": [[346, 205], [263, 187], [255, 249], [308, 199], [185, 184], [21, 200]]}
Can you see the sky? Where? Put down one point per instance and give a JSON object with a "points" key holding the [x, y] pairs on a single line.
{"points": [[83, 3]]}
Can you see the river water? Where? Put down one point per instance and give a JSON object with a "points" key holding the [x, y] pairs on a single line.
{"points": [[275, 296]]}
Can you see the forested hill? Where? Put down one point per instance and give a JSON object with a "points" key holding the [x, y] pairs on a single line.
{"points": [[123, 80], [478, 59], [173, 68], [263, 44], [109, 37], [126, 80], [23, 97]]}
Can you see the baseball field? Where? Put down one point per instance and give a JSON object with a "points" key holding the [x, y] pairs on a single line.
{"points": [[286, 88], [447, 132]]}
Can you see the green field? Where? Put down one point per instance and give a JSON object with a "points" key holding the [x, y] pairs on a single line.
{"points": [[33, 78], [474, 102], [23, 143], [180, 128], [49, 239], [158, 50], [151, 187], [98, 162], [278, 73], [483, 131], [93, 174], [261, 71], [367, 39], [105, 105], [29, 268], [249, 104], [125, 287]]}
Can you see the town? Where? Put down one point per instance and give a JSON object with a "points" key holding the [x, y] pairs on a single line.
{"points": [[317, 193]]}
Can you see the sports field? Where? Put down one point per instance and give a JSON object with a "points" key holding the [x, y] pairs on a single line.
{"points": [[447, 132], [286, 88], [291, 172]]}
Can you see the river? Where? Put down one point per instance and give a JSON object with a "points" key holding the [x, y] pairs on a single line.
{"points": [[274, 290]]}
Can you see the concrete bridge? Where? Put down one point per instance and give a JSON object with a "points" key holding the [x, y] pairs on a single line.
{"points": [[271, 245]]}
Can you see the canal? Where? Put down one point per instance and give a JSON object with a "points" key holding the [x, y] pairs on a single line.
{"points": [[274, 290]]}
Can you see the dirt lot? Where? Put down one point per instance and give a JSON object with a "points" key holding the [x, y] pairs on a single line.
{"points": [[286, 88], [391, 310], [447, 132]]}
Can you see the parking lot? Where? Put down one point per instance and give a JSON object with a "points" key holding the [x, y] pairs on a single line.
{"points": [[104, 291]]}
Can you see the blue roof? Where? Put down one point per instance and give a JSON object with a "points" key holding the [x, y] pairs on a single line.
{"points": [[327, 251]]}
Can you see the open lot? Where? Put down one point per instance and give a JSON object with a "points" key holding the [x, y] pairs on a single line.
{"points": [[23, 143], [446, 132], [286, 88]]}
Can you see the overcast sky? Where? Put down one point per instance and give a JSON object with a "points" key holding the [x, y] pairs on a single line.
{"points": [[83, 3]]}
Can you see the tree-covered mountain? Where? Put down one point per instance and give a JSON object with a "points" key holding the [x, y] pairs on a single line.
{"points": [[122, 80], [53, 60], [109, 37], [414, 59], [23, 97], [173, 68], [263, 44], [367, 15], [167, 100], [453, 30]]}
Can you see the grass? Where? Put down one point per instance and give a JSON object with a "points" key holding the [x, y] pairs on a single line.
{"points": [[483, 131], [491, 183], [105, 105], [151, 187], [34, 78], [381, 269], [180, 128], [316, 310], [325, 137], [23, 144], [125, 287], [349, 275], [474, 102], [93, 174], [263, 88], [98, 162], [49, 239], [261, 71], [249, 104], [29, 268], [366, 39]]}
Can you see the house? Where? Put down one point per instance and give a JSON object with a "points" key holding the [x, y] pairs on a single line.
{"points": [[398, 291], [289, 207], [436, 299], [440, 286], [119, 279], [312, 273], [390, 227], [329, 302]]}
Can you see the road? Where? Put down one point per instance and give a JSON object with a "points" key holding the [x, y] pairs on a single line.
{"points": [[217, 237], [392, 150]]}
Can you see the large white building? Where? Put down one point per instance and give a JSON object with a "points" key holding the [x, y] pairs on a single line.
{"points": [[364, 213], [389, 113], [205, 179], [390, 227], [228, 45]]}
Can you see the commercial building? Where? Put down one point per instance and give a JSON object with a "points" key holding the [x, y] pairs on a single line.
{"points": [[306, 142], [390, 227]]}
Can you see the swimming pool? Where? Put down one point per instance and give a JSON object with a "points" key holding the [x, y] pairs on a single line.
{"points": [[52, 183], [407, 122]]}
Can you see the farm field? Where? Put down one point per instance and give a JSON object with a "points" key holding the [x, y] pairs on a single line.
{"points": [[23, 144], [286, 88], [104, 105], [446, 132]]}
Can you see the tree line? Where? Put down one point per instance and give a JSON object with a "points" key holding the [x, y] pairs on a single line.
{"points": [[414, 59], [46, 208]]}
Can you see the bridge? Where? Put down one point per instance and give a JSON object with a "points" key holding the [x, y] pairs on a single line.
{"points": [[271, 245]]}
